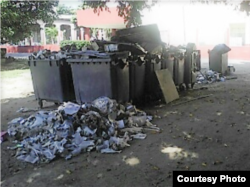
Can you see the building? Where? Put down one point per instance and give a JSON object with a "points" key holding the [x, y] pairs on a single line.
{"points": [[66, 31], [103, 20], [179, 23]]}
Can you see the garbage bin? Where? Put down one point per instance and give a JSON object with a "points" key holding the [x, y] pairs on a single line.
{"points": [[192, 64], [137, 79], [168, 62], [147, 36], [98, 77], [198, 60], [178, 71], [152, 88], [218, 58], [52, 80]]}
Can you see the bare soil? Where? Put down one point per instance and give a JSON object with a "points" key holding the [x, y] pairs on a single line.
{"points": [[206, 134]]}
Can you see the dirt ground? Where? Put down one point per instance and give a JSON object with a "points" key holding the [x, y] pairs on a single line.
{"points": [[206, 134]]}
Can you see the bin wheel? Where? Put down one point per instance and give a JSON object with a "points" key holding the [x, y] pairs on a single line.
{"points": [[192, 85], [40, 103], [187, 86], [181, 87]]}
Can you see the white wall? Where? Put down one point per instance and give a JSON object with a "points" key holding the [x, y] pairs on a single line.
{"points": [[183, 21]]}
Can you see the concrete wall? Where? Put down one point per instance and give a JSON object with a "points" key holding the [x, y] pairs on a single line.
{"points": [[30, 49]]}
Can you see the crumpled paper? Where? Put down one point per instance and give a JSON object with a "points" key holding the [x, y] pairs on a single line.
{"points": [[73, 129]]}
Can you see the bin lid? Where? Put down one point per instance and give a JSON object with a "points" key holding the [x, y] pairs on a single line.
{"points": [[221, 48], [122, 46], [191, 47], [176, 50], [90, 54], [147, 36]]}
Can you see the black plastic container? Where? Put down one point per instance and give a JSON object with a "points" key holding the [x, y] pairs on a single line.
{"points": [[52, 80], [137, 79], [98, 77]]}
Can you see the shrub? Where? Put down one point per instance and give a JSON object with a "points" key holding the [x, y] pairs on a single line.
{"points": [[79, 43]]}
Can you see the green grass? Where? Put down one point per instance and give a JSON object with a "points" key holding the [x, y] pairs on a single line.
{"points": [[16, 64], [13, 73]]}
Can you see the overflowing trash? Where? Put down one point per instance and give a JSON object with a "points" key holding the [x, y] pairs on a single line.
{"points": [[24, 110], [102, 125], [209, 77]]}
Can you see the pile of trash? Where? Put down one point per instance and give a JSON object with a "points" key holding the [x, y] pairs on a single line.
{"points": [[209, 77], [102, 125], [130, 40]]}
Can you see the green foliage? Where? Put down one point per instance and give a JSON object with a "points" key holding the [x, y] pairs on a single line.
{"points": [[131, 10], [94, 32], [243, 5], [52, 33], [108, 33], [18, 18], [64, 10], [79, 43], [74, 20]]}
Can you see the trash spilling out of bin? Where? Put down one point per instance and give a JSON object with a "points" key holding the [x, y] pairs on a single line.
{"points": [[123, 69], [209, 77], [102, 125], [118, 68]]}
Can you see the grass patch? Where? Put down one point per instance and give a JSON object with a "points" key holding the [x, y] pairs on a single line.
{"points": [[14, 64], [14, 73]]}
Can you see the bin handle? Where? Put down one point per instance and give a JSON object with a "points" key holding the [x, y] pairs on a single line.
{"points": [[120, 63], [140, 61]]}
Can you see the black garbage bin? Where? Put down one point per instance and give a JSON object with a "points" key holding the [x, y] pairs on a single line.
{"points": [[168, 62], [98, 77], [192, 64], [218, 58], [152, 88], [178, 71], [52, 80], [137, 79]]}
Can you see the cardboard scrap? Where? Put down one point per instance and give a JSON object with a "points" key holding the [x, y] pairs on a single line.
{"points": [[167, 85]]}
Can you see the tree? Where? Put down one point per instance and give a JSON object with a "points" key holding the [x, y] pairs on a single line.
{"points": [[131, 10], [19, 17], [52, 33], [94, 32], [243, 6], [62, 9]]}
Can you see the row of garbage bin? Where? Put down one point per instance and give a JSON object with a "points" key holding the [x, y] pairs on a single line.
{"points": [[83, 76]]}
